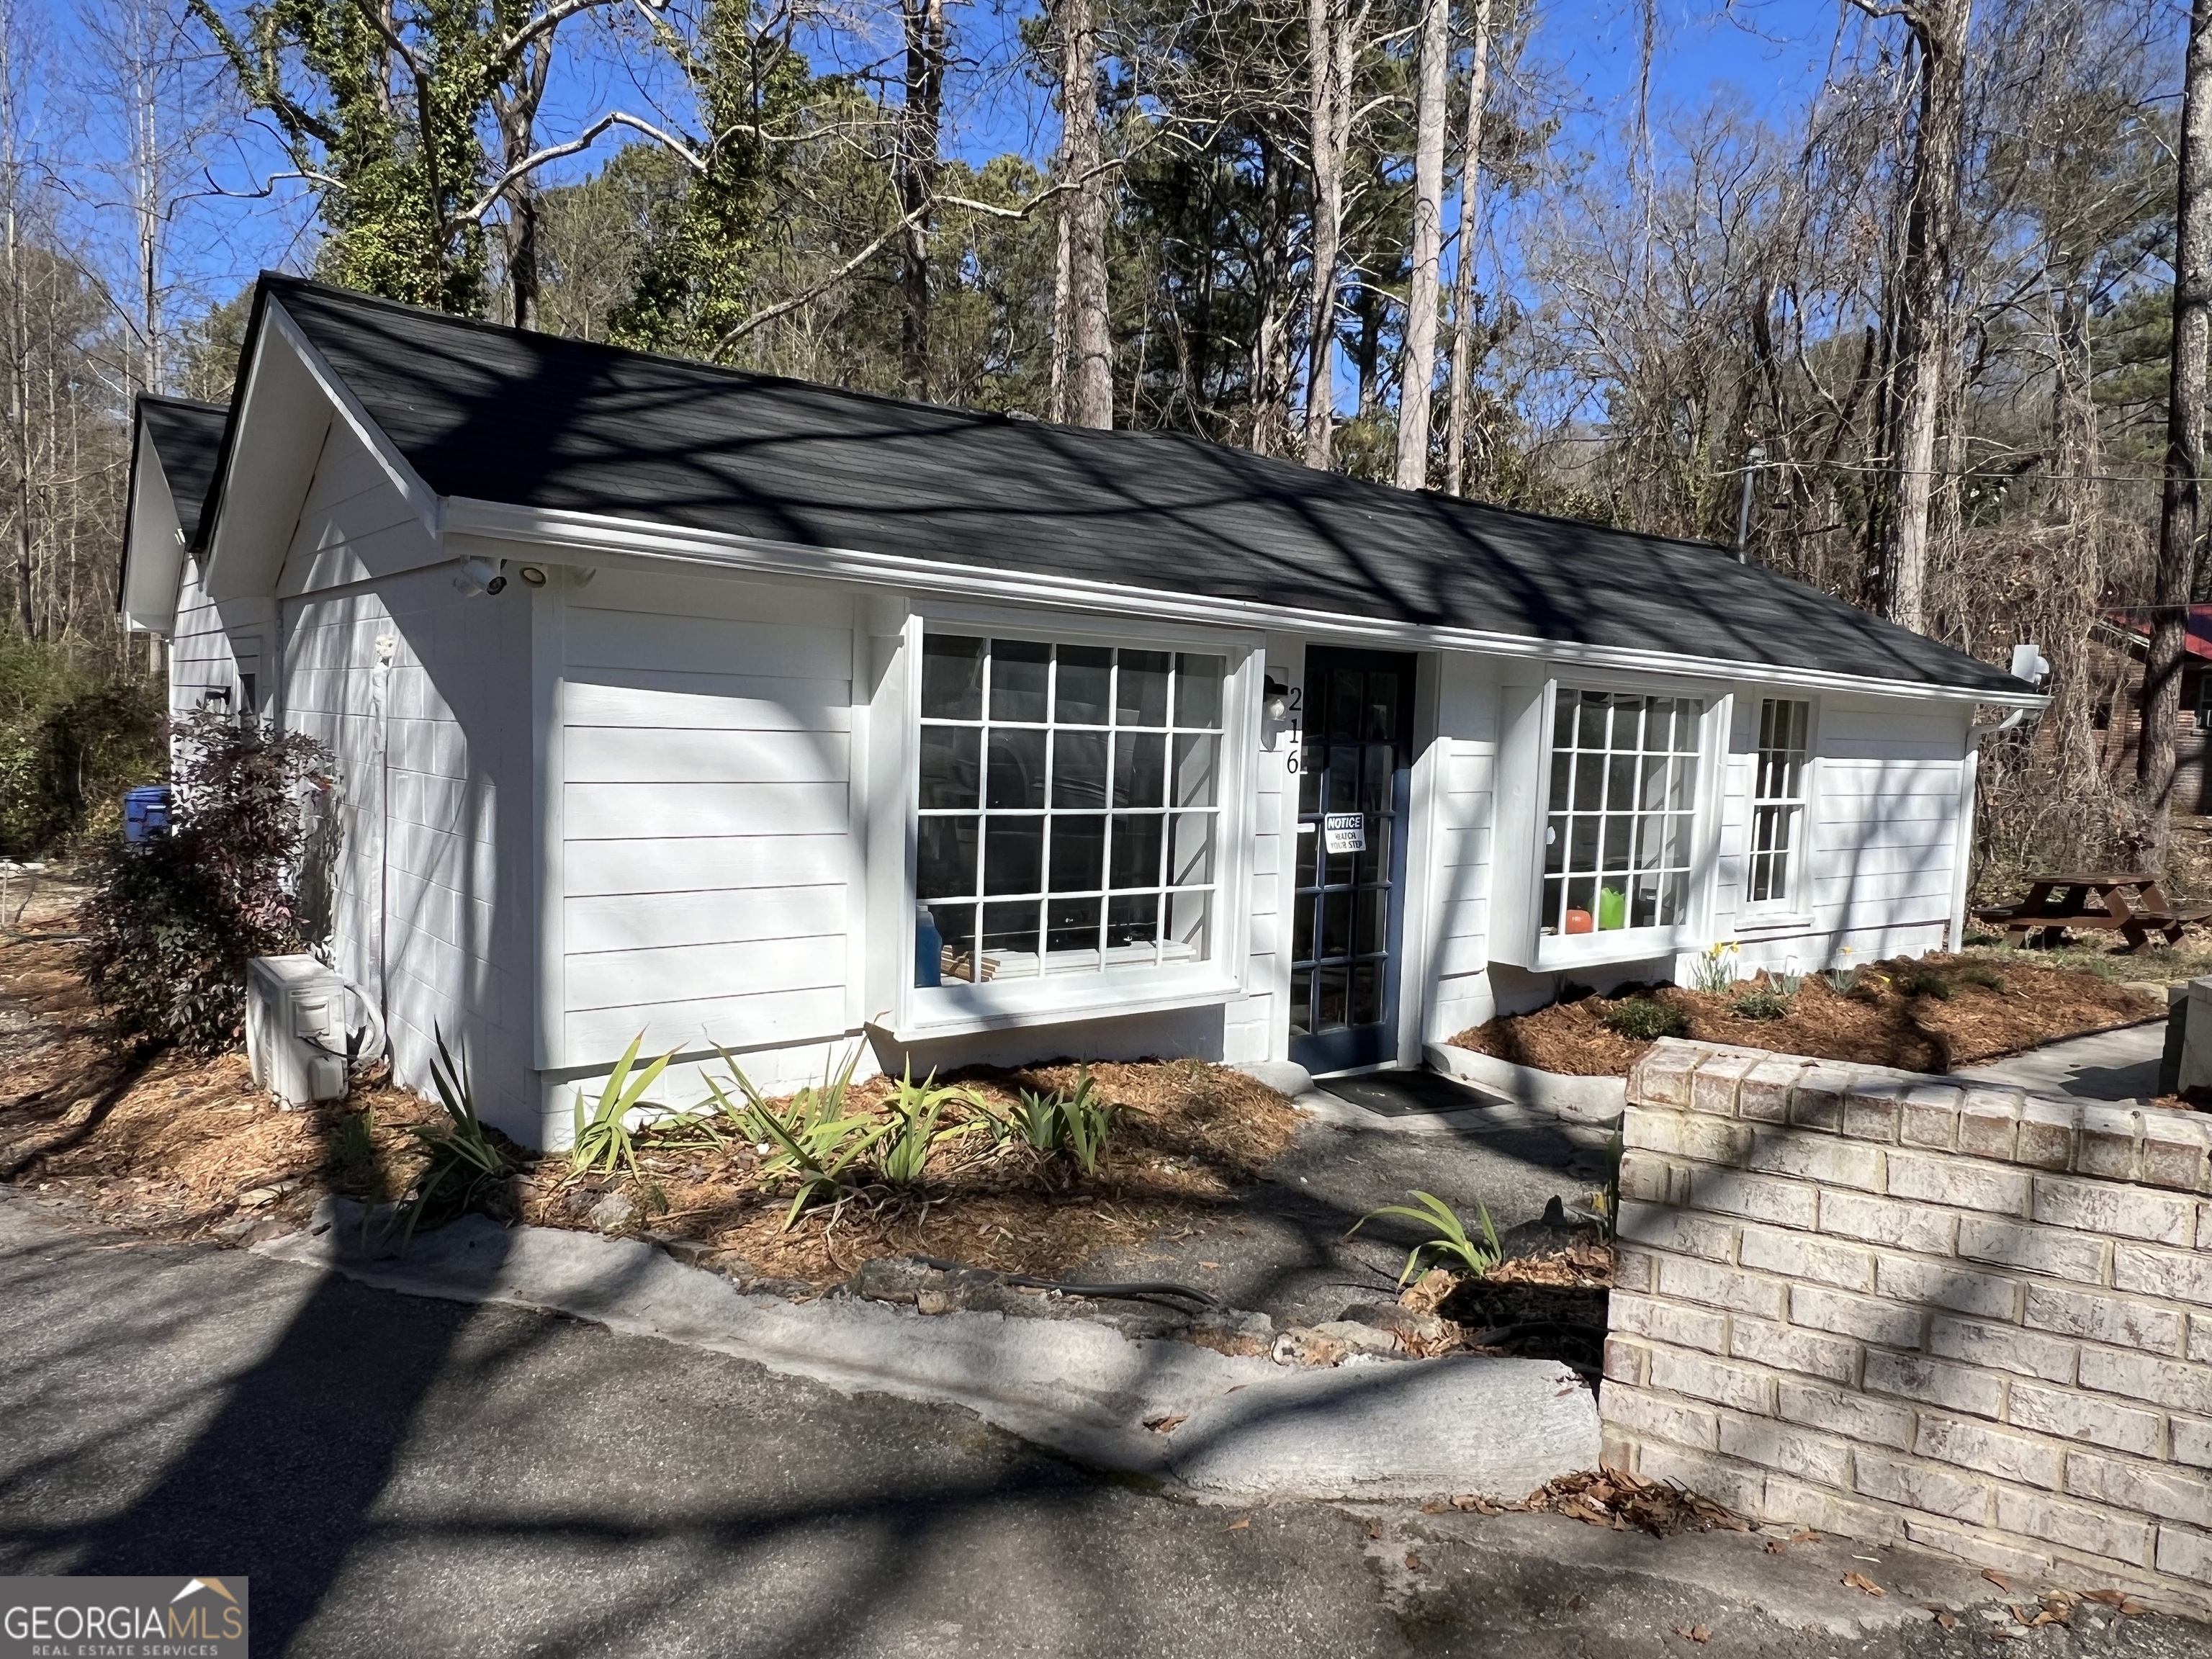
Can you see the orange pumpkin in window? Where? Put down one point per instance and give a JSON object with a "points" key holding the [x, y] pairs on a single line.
{"points": [[1581, 922]]}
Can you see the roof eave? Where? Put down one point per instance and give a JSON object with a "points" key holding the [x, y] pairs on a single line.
{"points": [[606, 539]]}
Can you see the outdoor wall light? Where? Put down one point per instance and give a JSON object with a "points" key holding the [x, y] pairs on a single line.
{"points": [[531, 576], [1278, 706]]}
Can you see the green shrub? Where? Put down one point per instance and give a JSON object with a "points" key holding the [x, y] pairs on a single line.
{"points": [[71, 741], [171, 920], [1922, 982], [1978, 972], [1765, 1003], [1646, 1021]]}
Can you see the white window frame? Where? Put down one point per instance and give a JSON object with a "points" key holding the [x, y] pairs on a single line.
{"points": [[1522, 815], [1791, 905], [1113, 991]]}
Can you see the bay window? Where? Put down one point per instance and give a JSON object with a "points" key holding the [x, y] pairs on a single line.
{"points": [[1618, 839], [1604, 823], [1068, 812]]}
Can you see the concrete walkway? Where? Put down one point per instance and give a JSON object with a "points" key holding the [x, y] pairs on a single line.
{"points": [[2120, 1064]]}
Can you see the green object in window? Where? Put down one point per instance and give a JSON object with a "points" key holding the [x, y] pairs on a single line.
{"points": [[1612, 908]]}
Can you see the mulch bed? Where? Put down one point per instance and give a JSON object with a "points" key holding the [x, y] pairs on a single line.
{"points": [[1190, 1133], [1931, 1013], [183, 1147]]}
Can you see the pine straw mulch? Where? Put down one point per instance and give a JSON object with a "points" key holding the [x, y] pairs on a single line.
{"points": [[1926, 1014], [184, 1147], [1190, 1134], [172, 1145]]}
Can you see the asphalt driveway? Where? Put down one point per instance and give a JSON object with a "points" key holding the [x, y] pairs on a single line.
{"points": [[403, 1476]]}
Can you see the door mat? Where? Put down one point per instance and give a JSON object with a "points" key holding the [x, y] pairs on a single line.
{"points": [[1404, 1093]]}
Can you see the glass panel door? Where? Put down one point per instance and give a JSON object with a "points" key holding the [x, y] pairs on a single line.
{"points": [[1354, 781]]}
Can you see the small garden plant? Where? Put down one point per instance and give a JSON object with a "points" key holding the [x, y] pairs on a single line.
{"points": [[1451, 1242], [1646, 1020]]}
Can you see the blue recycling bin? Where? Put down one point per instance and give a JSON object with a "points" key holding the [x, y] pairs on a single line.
{"points": [[145, 812]]}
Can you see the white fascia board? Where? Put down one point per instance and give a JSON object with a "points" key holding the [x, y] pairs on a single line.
{"points": [[292, 397], [153, 546], [602, 539]]}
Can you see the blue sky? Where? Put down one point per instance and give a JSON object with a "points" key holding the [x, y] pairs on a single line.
{"points": [[1768, 54]]}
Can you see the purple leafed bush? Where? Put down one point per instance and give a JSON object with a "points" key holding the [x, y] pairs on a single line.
{"points": [[171, 920]]}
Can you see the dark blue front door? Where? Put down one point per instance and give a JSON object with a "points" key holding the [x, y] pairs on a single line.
{"points": [[1354, 778]]}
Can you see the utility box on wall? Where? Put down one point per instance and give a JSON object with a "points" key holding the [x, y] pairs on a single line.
{"points": [[296, 1027]]}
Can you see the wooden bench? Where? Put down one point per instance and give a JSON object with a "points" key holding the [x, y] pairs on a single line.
{"points": [[2130, 905]]}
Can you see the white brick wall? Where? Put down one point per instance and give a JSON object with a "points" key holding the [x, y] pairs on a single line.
{"points": [[1878, 1305]]}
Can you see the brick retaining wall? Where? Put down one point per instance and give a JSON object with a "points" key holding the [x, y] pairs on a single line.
{"points": [[1896, 1309]]}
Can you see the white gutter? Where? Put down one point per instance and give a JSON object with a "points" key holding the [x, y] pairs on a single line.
{"points": [[601, 540]]}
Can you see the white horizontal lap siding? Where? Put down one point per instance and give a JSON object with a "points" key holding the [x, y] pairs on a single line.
{"points": [[1885, 827], [200, 656], [1458, 911], [432, 889], [706, 780]]}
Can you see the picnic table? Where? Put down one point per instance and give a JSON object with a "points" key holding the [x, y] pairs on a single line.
{"points": [[2131, 905]]}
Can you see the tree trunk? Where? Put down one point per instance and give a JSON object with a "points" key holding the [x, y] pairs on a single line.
{"points": [[919, 129], [1090, 344], [515, 106], [2178, 521], [1923, 322], [1470, 201], [1328, 112], [1417, 376]]}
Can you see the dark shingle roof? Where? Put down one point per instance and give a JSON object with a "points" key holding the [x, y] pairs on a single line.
{"points": [[187, 436], [499, 414]]}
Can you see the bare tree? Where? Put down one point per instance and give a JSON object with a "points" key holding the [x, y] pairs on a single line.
{"points": [[1334, 30], [1938, 31], [2180, 501], [1470, 221], [1084, 351], [918, 165], [1417, 373]]}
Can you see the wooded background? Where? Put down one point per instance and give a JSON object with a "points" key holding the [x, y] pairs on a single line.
{"points": [[1917, 307]]}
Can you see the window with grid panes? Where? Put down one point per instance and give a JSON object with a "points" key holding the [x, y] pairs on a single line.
{"points": [[1069, 812], [1777, 803], [1618, 833]]}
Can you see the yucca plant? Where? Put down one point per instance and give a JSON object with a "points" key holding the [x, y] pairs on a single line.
{"points": [[1087, 1123], [1035, 1122], [1451, 1242], [820, 1151], [915, 1130], [603, 1135], [466, 1159]]}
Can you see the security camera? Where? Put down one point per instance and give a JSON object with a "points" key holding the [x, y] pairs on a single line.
{"points": [[479, 576]]}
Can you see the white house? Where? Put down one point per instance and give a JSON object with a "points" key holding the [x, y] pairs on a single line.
{"points": [[745, 712]]}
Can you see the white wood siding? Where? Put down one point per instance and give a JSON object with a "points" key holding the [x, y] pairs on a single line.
{"points": [[1878, 862], [706, 765], [433, 746], [1458, 912]]}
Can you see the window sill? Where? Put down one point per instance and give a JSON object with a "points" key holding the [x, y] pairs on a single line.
{"points": [[960, 1010], [1555, 952], [1773, 921]]}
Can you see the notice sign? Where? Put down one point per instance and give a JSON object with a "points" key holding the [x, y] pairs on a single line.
{"points": [[1344, 832]]}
